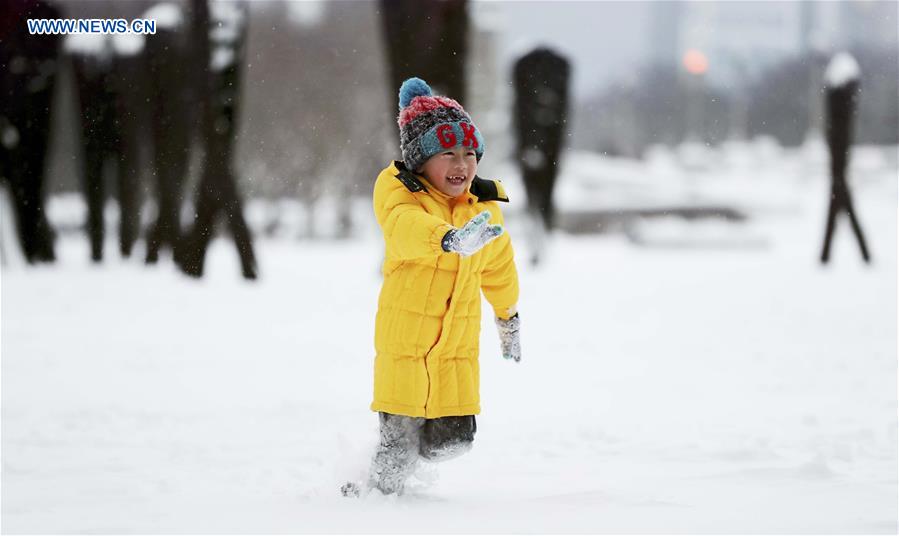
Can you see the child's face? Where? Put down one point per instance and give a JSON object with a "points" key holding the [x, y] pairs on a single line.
{"points": [[451, 171]]}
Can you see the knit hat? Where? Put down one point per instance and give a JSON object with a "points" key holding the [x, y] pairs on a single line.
{"points": [[431, 124]]}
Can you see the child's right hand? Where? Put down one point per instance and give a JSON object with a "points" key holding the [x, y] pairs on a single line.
{"points": [[472, 236]]}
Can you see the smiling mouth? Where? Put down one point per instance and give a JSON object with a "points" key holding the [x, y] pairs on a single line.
{"points": [[456, 180]]}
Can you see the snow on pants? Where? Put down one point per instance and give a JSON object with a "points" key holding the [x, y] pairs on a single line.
{"points": [[405, 439]]}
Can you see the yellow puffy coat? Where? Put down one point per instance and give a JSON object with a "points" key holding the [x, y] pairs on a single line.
{"points": [[429, 312]]}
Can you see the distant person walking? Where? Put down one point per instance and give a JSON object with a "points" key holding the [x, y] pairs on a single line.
{"points": [[842, 88]]}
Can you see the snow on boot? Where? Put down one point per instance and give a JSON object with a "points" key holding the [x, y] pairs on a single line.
{"points": [[351, 490], [425, 474], [397, 453]]}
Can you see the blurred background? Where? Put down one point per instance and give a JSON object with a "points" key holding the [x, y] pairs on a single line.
{"points": [[703, 206], [642, 90]]}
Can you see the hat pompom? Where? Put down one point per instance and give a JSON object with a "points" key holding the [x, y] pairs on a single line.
{"points": [[411, 88]]}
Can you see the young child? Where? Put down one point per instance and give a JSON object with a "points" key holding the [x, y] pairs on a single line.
{"points": [[444, 245]]}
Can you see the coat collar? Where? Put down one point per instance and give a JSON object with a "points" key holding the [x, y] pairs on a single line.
{"points": [[480, 189]]}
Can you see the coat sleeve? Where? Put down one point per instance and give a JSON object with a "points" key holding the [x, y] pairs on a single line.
{"points": [[409, 231], [499, 280]]}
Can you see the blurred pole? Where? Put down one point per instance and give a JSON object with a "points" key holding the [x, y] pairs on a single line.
{"points": [[28, 68], [739, 106], [541, 80], [696, 65], [625, 119], [842, 91]]}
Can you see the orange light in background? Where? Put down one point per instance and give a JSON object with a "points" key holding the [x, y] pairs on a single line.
{"points": [[695, 62]]}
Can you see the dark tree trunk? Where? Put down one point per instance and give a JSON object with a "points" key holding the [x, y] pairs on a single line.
{"points": [[428, 40], [218, 105], [28, 68], [841, 104], [98, 136], [130, 103], [172, 114]]}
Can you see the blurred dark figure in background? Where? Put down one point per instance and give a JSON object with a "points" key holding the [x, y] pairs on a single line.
{"points": [[541, 105], [172, 96], [428, 40], [28, 68], [107, 70], [842, 89], [219, 38]]}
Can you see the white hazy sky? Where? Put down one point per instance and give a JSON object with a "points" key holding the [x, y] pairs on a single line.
{"points": [[602, 39]]}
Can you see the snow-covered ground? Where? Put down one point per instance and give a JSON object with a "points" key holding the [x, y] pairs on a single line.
{"points": [[662, 389]]}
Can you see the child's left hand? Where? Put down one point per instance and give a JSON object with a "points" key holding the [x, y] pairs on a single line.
{"points": [[508, 336]]}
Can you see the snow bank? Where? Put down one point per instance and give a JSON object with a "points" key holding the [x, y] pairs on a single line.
{"points": [[695, 391]]}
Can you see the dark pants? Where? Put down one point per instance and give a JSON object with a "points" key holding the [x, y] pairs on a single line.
{"points": [[406, 439]]}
